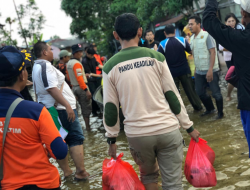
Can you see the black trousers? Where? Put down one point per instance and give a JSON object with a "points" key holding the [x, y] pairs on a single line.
{"points": [[188, 86], [34, 187]]}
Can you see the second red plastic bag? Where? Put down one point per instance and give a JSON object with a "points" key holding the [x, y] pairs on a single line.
{"points": [[119, 175], [199, 170]]}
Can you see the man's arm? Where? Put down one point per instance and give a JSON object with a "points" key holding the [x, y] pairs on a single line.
{"points": [[95, 75], [175, 102], [188, 48], [211, 47], [50, 82], [78, 74], [57, 95], [100, 66], [51, 137], [228, 37], [111, 113]]}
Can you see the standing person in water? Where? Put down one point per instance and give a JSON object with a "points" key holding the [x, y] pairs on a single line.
{"points": [[153, 109], [237, 42], [230, 20]]}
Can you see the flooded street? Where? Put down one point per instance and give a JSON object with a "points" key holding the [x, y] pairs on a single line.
{"points": [[225, 137]]}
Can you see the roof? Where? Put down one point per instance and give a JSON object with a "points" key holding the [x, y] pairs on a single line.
{"points": [[61, 43], [172, 20]]}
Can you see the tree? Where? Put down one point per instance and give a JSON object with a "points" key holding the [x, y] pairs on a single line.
{"points": [[36, 21], [149, 11], [94, 19], [5, 35], [54, 37]]}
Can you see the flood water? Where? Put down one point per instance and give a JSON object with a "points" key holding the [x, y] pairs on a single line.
{"points": [[226, 137]]}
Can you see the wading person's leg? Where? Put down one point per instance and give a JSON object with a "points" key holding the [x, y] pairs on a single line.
{"points": [[200, 88], [229, 92], [74, 140], [245, 119], [143, 150], [85, 104], [169, 156], [216, 92], [189, 89]]}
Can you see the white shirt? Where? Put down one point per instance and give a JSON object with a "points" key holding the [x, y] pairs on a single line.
{"points": [[46, 76], [226, 54]]}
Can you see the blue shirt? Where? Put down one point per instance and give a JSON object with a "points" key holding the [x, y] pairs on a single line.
{"points": [[173, 49]]}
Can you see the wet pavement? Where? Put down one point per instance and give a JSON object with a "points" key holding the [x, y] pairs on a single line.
{"points": [[225, 137]]}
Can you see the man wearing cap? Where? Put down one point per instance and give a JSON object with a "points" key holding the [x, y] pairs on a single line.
{"points": [[90, 64], [64, 58], [25, 161], [50, 88], [237, 42], [79, 82]]}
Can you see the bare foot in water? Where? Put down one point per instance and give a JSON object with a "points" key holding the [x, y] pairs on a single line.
{"points": [[82, 175], [228, 98]]}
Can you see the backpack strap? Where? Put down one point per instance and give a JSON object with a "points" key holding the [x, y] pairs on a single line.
{"points": [[6, 126]]}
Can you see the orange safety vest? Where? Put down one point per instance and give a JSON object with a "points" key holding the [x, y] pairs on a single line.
{"points": [[99, 59]]}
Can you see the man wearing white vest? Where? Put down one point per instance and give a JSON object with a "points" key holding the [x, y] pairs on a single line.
{"points": [[207, 67], [79, 82]]}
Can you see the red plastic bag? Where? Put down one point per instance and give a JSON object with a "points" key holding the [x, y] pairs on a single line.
{"points": [[119, 175], [198, 169]]}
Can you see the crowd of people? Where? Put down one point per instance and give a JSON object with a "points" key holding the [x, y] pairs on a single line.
{"points": [[141, 82]]}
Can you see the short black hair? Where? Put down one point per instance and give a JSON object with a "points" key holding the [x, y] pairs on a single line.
{"points": [[8, 83], [91, 51], [126, 26], [169, 29], [149, 30], [38, 48], [196, 18], [85, 49]]}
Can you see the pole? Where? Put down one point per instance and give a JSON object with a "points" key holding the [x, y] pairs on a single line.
{"points": [[20, 25]]}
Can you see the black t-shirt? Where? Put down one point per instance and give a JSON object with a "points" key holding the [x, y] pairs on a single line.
{"points": [[151, 46], [90, 66]]}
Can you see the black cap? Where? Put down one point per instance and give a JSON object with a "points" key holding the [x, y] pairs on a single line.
{"points": [[12, 62], [76, 48]]}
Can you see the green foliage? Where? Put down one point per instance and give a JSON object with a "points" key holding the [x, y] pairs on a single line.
{"points": [[36, 39], [93, 20], [36, 21], [5, 35], [54, 37]]}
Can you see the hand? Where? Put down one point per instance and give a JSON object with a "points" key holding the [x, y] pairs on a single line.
{"points": [[88, 94], [71, 114], [155, 47], [195, 135], [112, 150], [87, 75], [209, 76]]}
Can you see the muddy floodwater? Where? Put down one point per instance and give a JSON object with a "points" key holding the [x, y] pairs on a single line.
{"points": [[226, 137]]}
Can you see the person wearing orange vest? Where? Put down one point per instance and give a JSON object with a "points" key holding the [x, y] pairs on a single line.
{"points": [[78, 80], [100, 60]]}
